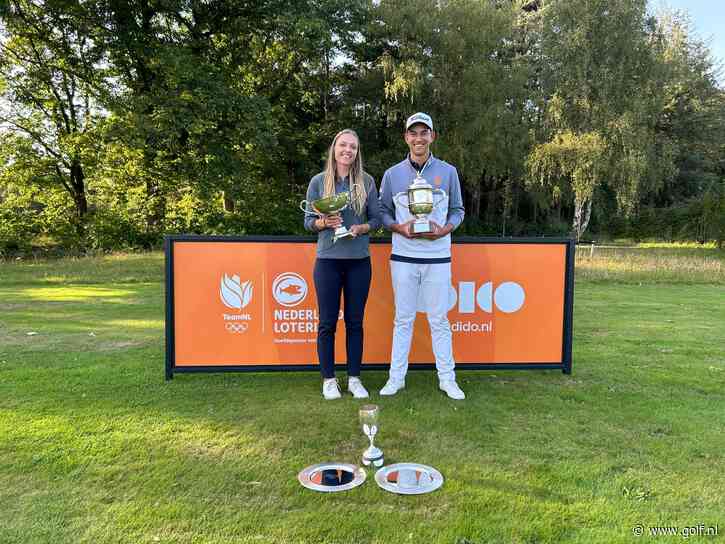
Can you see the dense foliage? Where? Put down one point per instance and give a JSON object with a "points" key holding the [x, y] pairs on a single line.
{"points": [[125, 120]]}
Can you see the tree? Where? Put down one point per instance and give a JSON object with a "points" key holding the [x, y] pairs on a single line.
{"points": [[122, 121], [576, 158], [50, 80], [460, 61], [692, 117], [602, 93], [227, 101]]}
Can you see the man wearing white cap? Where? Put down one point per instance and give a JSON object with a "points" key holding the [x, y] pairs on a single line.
{"points": [[420, 264]]}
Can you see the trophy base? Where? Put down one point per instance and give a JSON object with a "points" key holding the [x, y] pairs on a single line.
{"points": [[341, 232], [375, 462], [420, 226], [373, 456]]}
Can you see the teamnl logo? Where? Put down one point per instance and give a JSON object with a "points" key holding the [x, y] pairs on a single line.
{"points": [[236, 295], [508, 297]]}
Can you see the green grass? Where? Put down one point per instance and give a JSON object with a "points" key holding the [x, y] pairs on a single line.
{"points": [[652, 263], [96, 447]]}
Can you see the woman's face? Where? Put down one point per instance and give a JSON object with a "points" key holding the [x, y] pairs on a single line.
{"points": [[345, 149]]}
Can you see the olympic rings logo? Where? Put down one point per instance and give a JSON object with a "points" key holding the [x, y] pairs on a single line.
{"points": [[236, 327]]}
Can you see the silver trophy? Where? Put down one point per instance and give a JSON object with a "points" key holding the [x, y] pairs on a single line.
{"points": [[420, 203], [369, 420]]}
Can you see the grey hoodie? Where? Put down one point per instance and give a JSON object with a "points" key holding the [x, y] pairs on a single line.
{"points": [[346, 248]]}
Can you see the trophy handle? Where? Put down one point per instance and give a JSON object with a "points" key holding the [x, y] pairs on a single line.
{"points": [[353, 188], [397, 201], [305, 204], [442, 194], [370, 429]]}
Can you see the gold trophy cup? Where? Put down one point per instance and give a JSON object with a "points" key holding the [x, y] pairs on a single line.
{"points": [[329, 205]]}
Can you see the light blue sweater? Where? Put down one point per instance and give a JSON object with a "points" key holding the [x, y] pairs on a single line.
{"points": [[394, 206]]}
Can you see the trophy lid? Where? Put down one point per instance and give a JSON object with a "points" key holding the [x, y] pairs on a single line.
{"points": [[419, 183]]}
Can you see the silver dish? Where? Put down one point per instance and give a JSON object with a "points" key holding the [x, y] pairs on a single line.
{"points": [[409, 478], [331, 477]]}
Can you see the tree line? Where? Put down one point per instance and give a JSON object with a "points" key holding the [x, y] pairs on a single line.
{"points": [[121, 121]]}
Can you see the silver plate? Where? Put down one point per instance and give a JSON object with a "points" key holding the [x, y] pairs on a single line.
{"points": [[409, 478], [331, 477]]}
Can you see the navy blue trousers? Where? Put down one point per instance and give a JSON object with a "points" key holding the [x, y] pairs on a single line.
{"points": [[351, 279]]}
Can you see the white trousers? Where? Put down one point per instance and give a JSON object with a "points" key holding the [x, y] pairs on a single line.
{"points": [[421, 287]]}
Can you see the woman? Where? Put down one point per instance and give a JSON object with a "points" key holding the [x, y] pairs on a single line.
{"points": [[343, 267]]}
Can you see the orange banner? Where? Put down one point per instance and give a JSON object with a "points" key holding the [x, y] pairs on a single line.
{"points": [[254, 303]]}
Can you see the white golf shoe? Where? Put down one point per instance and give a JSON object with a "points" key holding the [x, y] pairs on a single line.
{"points": [[330, 389], [392, 387], [355, 386], [450, 388]]}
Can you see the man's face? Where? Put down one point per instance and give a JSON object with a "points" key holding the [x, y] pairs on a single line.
{"points": [[419, 137]]}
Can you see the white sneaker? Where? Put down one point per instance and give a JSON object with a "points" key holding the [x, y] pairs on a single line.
{"points": [[330, 389], [450, 387], [355, 386], [392, 387]]}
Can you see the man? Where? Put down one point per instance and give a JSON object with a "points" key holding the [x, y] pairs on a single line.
{"points": [[420, 264]]}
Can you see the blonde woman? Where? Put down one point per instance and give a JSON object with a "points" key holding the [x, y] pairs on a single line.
{"points": [[343, 267]]}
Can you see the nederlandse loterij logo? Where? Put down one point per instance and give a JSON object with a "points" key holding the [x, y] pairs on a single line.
{"points": [[235, 294], [289, 289]]}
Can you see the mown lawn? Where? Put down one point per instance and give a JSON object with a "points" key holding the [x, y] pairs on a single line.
{"points": [[96, 447]]}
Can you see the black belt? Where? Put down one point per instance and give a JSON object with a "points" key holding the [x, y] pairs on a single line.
{"points": [[419, 260]]}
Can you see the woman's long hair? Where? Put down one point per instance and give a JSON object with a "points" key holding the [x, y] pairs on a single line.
{"points": [[358, 191]]}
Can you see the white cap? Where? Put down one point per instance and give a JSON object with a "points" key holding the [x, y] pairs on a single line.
{"points": [[419, 117]]}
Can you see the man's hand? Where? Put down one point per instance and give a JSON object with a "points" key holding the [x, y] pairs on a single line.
{"points": [[436, 231], [403, 228]]}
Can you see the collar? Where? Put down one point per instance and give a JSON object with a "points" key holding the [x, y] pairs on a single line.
{"points": [[419, 167]]}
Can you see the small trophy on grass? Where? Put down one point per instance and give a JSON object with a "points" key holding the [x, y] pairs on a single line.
{"points": [[369, 420]]}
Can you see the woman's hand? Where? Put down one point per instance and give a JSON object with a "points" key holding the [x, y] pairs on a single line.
{"points": [[328, 222], [357, 230]]}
